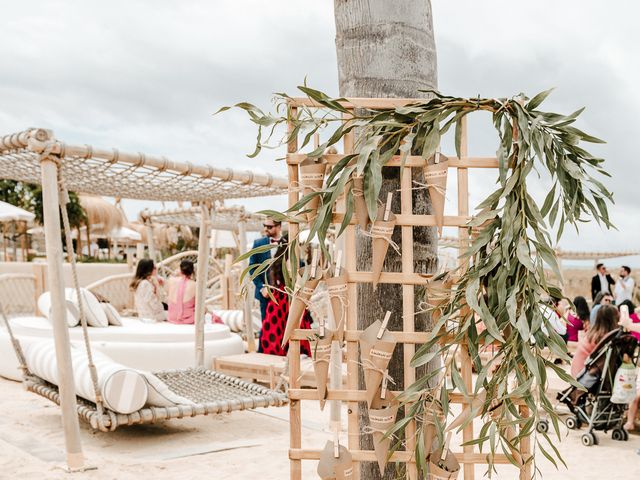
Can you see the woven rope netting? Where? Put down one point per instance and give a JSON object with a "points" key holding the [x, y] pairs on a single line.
{"points": [[18, 293], [212, 393], [222, 218], [116, 174]]}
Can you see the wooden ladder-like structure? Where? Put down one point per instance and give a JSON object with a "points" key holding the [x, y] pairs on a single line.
{"points": [[408, 337]]}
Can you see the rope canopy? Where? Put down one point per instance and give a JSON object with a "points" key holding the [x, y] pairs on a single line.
{"points": [[222, 218], [138, 176]]}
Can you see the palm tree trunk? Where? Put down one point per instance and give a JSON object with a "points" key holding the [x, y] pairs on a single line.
{"points": [[387, 49]]}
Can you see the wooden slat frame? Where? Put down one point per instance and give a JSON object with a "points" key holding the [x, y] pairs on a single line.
{"points": [[406, 220]]}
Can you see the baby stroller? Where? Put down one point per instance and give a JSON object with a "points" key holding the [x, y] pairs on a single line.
{"points": [[593, 407]]}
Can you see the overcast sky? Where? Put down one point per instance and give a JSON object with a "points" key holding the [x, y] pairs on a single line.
{"points": [[147, 76]]}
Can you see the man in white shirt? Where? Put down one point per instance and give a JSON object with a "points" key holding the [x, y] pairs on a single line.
{"points": [[624, 285]]}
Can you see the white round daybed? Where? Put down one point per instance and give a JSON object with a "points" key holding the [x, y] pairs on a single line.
{"points": [[136, 344]]}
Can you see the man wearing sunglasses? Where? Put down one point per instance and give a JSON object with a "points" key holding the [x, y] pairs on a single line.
{"points": [[273, 234]]}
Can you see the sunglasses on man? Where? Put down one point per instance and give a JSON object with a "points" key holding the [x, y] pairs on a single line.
{"points": [[268, 227]]}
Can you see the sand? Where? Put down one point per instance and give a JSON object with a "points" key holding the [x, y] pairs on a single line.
{"points": [[241, 445]]}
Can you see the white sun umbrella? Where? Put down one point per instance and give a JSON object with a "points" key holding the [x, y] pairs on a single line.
{"points": [[11, 213], [125, 234]]}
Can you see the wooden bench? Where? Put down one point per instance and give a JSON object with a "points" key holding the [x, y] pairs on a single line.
{"points": [[263, 368]]}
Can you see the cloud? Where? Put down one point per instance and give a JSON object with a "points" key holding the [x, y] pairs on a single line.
{"points": [[147, 76]]}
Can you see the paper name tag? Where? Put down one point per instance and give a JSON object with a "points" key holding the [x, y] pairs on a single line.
{"points": [[323, 349], [307, 291], [380, 230], [338, 288], [438, 174], [380, 354], [379, 419], [312, 176]]}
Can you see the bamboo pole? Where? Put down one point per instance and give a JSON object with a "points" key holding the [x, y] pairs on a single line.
{"points": [[201, 281], [53, 234], [248, 298]]}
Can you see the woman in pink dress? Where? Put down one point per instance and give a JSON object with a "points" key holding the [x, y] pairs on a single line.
{"points": [[182, 295], [578, 320]]}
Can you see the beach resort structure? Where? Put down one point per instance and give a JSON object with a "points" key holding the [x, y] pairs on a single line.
{"points": [[37, 156]]}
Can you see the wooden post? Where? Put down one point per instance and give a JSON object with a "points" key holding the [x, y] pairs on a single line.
{"points": [[14, 232], [79, 244], [353, 428], [295, 420], [4, 241], [88, 241], [51, 210], [248, 298], [408, 309], [226, 283], [214, 242], [23, 240], [466, 367], [201, 281], [150, 242]]}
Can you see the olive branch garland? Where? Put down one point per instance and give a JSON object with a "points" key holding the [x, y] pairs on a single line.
{"points": [[505, 283]]}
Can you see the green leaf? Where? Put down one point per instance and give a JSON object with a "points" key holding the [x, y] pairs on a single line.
{"points": [[538, 99]]}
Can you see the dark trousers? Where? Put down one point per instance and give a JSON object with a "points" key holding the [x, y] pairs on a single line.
{"points": [[263, 313]]}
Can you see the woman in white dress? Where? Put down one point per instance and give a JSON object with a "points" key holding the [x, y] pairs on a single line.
{"points": [[148, 292]]}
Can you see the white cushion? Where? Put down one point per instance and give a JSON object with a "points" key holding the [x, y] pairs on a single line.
{"points": [[44, 305], [112, 314], [133, 330], [123, 389], [234, 319], [94, 313]]}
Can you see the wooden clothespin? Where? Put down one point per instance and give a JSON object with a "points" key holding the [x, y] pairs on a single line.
{"points": [[387, 208], [314, 262], [383, 390], [436, 157], [322, 332], [336, 443], [383, 327], [336, 272], [445, 447]]}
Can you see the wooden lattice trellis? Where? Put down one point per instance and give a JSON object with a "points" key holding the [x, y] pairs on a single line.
{"points": [[408, 337]]}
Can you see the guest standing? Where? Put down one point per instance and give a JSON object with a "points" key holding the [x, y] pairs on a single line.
{"points": [[624, 285], [182, 295], [601, 281], [278, 310], [273, 234], [148, 292]]}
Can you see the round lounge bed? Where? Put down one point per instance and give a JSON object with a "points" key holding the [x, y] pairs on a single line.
{"points": [[136, 344]]}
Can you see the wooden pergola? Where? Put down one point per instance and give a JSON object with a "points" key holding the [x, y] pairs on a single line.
{"points": [[36, 156]]}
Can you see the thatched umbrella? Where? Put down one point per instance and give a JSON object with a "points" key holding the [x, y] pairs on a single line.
{"points": [[102, 216]]}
